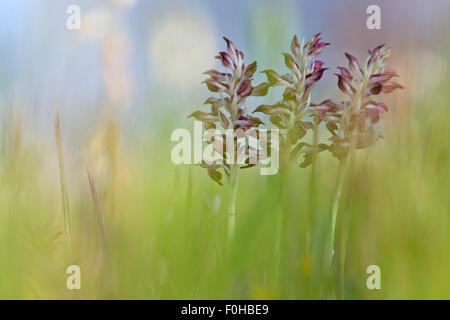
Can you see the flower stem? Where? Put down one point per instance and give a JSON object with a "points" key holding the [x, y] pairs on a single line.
{"points": [[312, 189], [282, 184], [335, 205], [335, 208], [232, 195]]}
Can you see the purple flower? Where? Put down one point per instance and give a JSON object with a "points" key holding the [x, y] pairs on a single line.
{"points": [[353, 64], [233, 85], [350, 124], [314, 46], [289, 113]]}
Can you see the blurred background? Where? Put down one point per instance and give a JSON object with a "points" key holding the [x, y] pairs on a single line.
{"points": [[144, 228]]}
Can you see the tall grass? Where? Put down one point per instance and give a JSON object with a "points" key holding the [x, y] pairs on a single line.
{"points": [[398, 204], [62, 180], [166, 235]]}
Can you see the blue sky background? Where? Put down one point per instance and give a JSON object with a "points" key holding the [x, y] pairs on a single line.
{"points": [[42, 63]]}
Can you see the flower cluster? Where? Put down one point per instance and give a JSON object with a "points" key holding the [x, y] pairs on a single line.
{"points": [[234, 85], [289, 113], [351, 122]]}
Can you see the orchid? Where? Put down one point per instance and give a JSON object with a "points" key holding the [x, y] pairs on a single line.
{"points": [[352, 122], [289, 114], [227, 111]]}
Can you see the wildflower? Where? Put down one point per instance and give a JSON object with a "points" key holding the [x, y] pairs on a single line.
{"points": [[288, 114], [234, 85], [351, 122]]}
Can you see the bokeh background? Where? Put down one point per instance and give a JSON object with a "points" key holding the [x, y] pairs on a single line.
{"points": [[131, 76]]}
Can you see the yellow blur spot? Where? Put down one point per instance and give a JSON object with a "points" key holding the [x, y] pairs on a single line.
{"points": [[306, 265], [258, 292]]}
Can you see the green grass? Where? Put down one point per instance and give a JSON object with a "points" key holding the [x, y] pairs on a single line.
{"points": [[166, 232]]}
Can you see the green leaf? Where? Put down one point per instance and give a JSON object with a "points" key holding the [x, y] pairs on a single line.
{"points": [[297, 133], [289, 61], [215, 175], [277, 109], [295, 47], [203, 116], [296, 150], [223, 119], [261, 89], [291, 94], [308, 159], [277, 120], [274, 78], [332, 127]]}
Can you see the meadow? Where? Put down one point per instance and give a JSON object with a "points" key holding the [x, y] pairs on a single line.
{"points": [[108, 198]]}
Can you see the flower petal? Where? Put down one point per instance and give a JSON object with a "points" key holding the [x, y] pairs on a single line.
{"points": [[390, 86]]}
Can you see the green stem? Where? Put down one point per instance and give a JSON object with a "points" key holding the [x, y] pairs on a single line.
{"points": [[337, 195], [232, 196], [335, 209], [343, 253], [345, 224], [312, 189], [282, 196]]}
